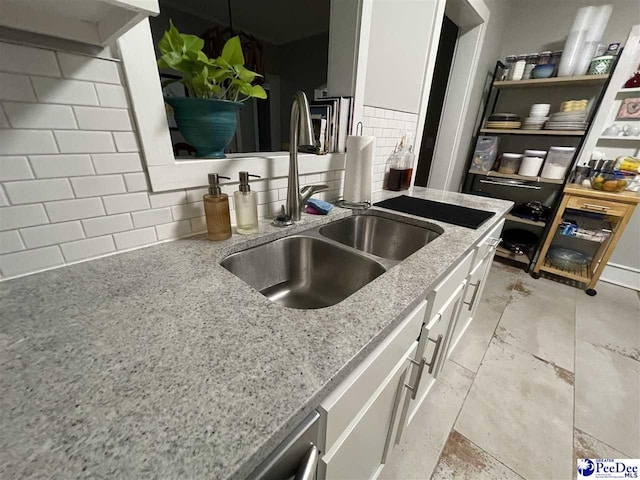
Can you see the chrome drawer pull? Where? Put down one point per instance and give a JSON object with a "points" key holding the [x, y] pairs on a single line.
{"points": [[518, 185], [476, 287], [432, 363], [592, 206], [495, 243]]}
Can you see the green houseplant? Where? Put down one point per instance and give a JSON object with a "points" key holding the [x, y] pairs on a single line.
{"points": [[217, 87]]}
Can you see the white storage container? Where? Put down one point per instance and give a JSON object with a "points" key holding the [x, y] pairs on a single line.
{"points": [[558, 162], [531, 163]]}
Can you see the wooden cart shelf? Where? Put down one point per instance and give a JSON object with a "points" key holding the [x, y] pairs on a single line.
{"points": [[618, 207]]}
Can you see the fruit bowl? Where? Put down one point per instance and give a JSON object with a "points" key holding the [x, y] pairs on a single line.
{"points": [[609, 181]]}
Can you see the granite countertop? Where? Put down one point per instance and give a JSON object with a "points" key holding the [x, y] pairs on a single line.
{"points": [[160, 363]]}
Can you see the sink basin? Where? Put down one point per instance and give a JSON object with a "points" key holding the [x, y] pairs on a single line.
{"points": [[380, 236], [303, 272]]}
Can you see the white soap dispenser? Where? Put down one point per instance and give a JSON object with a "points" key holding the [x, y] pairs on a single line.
{"points": [[246, 206]]}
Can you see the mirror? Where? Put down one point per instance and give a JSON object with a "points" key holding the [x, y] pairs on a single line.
{"points": [[286, 41]]}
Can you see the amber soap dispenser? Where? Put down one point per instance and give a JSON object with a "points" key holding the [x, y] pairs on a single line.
{"points": [[216, 209]]}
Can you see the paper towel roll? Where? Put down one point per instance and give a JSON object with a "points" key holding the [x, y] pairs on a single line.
{"points": [[359, 162]]}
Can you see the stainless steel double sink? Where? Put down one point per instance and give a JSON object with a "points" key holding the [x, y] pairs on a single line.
{"points": [[324, 265]]}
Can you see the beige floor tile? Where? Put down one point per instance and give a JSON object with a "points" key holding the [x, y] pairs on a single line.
{"points": [[496, 296], [417, 454], [610, 320], [607, 395], [520, 411], [463, 460], [540, 319], [585, 446]]}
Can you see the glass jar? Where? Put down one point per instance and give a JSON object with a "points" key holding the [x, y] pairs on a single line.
{"points": [[518, 67], [508, 67], [544, 58], [531, 62], [510, 163]]}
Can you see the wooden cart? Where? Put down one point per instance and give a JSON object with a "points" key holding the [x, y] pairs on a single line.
{"points": [[615, 208]]}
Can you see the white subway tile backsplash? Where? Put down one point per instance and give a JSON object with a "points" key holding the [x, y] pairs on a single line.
{"points": [[52, 166], [148, 218], [167, 199], [174, 229], [36, 191], [94, 227], [90, 247], [30, 261], [4, 201], [112, 95], [136, 182], [14, 168], [117, 163], [22, 216], [16, 87], [4, 121], [196, 194], [11, 242], [38, 115], [96, 118], [62, 90], [98, 185], [29, 60], [189, 210], [129, 202], [74, 209], [51, 234], [199, 224], [24, 142], [126, 141], [135, 238], [86, 68], [83, 142], [369, 111]]}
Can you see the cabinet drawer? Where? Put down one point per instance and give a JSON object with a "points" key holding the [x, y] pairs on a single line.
{"points": [[488, 243], [343, 404], [362, 451], [443, 291], [594, 205]]}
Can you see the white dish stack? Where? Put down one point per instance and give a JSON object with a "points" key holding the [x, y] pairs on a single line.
{"points": [[537, 116]]}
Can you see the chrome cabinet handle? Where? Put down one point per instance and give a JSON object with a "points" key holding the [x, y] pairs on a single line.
{"points": [[309, 465], [476, 287], [414, 388], [421, 364], [517, 185], [495, 242], [432, 363], [593, 206]]}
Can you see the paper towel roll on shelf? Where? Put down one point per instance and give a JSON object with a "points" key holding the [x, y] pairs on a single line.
{"points": [[359, 163]]}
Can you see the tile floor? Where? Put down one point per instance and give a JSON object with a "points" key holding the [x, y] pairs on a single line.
{"points": [[545, 374]]}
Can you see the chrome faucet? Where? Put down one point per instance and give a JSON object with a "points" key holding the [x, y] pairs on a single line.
{"points": [[300, 134]]}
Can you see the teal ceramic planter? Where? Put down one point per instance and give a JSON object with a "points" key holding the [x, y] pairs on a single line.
{"points": [[208, 125]]}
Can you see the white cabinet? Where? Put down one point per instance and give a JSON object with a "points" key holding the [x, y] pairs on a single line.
{"points": [[363, 449], [431, 354], [94, 22], [476, 282]]}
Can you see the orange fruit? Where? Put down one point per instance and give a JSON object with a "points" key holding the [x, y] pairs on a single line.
{"points": [[610, 185]]}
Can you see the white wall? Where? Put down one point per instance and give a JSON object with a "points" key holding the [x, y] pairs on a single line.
{"points": [[72, 183], [398, 44], [538, 25]]}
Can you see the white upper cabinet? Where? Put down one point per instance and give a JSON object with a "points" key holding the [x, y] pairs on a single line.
{"points": [[93, 22]]}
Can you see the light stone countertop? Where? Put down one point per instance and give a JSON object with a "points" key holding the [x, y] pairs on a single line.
{"points": [[159, 363]]}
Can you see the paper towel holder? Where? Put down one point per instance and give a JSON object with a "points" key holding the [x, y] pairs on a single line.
{"points": [[359, 128], [342, 203]]}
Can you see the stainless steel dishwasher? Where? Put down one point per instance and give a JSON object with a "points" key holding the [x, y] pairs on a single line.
{"points": [[296, 457]]}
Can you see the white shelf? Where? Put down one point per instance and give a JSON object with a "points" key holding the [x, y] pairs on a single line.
{"points": [[629, 90]]}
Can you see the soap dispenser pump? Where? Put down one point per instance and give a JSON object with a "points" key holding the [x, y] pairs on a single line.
{"points": [[216, 210], [246, 205]]}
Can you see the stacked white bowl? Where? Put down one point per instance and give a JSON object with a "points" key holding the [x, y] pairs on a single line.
{"points": [[537, 116]]}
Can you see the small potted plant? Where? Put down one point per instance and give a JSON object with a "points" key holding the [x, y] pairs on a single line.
{"points": [[208, 117]]}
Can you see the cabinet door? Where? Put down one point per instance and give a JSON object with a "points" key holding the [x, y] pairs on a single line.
{"points": [[363, 449], [430, 355]]}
